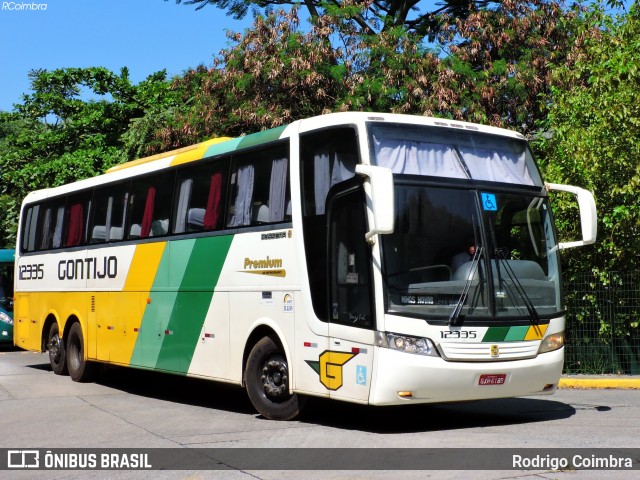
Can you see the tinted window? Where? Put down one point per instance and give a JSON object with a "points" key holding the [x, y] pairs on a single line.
{"points": [[200, 197], [109, 214], [259, 188], [150, 206]]}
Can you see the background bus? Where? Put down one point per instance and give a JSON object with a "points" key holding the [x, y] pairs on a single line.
{"points": [[7, 260], [316, 258]]}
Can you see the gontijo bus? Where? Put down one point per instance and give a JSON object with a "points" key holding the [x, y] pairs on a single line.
{"points": [[318, 258]]}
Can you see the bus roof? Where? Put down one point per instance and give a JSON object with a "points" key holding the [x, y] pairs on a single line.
{"points": [[222, 145], [7, 255]]}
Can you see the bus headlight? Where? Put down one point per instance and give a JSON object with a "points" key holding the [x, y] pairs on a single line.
{"points": [[6, 318], [405, 343], [552, 342]]}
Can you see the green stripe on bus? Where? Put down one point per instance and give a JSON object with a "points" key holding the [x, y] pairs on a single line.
{"points": [[261, 137], [223, 147], [203, 267], [244, 142], [496, 334], [158, 313], [516, 334]]}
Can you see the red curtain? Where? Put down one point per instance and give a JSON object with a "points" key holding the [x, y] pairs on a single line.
{"points": [[147, 218], [212, 211], [76, 225]]}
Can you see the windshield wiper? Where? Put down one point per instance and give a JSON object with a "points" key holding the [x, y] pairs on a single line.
{"points": [[534, 318], [454, 318]]}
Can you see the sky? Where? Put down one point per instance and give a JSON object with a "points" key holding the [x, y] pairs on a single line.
{"points": [[143, 35]]}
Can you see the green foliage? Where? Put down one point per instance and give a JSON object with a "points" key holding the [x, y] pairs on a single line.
{"points": [[496, 70], [366, 17], [594, 122], [57, 135]]}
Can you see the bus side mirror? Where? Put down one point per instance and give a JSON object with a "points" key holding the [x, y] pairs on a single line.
{"points": [[381, 199], [588, 214]]}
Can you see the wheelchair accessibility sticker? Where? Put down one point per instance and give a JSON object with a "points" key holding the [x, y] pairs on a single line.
{"points": [[361, 375], [489, 201]]}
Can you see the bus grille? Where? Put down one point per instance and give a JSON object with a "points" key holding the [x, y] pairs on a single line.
{"points": [[481, 352]]}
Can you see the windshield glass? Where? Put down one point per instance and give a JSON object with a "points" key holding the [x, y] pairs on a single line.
{"points": [[470, 254], [6, 287], [447, 152]]}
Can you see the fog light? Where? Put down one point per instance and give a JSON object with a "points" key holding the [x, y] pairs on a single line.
{"points": [[549, 386], [405, 394]]}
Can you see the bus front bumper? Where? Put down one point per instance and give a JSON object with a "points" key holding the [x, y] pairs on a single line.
{"points": [[407, 378]]}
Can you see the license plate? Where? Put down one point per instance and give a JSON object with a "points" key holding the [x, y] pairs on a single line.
{"points": [[492, 379]]}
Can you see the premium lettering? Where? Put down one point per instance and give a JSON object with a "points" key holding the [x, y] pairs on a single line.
{"points": [[266, 263]]}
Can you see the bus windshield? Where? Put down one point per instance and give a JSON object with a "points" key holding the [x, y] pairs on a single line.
{"points": [[464, 254], [6, 286]]}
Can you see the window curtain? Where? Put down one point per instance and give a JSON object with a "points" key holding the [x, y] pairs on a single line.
{"points": [[330, 168], [46, 230], [147, 218], [76, 225], [322, 179], [497, 166], [57, 233], [212, 210], [183, 205], [243, 207], [277, 190], [107, 227], [442, 160], [117, 231], [418, 158]]}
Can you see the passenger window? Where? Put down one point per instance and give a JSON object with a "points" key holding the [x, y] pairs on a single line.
{"points": [[200, 197], [259, 188], [76, 214], [29, 229], [150, 206], [50, 226], [109, 212]]}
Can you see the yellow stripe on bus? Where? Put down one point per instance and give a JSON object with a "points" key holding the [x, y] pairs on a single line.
{"points": [[536, 332], [198, 152], [182, 155], [120, 332]]}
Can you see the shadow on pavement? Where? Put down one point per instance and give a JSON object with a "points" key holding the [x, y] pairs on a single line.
{"points": [[335, 414]]}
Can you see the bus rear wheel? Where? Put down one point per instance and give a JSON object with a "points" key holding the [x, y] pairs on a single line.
{"points": [[267, 382], [57, 353], [79, 369]]}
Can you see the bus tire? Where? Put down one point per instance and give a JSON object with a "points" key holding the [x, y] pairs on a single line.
{"points": [[79, 369], [57, 353], [267, 382]]}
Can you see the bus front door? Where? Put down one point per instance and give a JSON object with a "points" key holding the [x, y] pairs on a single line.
{"points": [[351, 313]]}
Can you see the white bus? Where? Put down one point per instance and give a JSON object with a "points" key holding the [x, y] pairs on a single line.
{"points": [[373, 258]]}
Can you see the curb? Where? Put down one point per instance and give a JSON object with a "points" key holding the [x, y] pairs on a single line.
{"points": [[600, 383]]}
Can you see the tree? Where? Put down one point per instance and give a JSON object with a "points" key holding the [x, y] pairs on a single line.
{"points": [[593, 137], [494, 68], [57, 136], [369, 16]]}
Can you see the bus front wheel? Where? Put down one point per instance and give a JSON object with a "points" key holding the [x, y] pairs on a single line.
{"points": [[57, 353], [267, 382], [79, 369]]}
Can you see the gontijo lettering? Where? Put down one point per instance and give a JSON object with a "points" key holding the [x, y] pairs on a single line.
{"points": [[88, 268]]}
